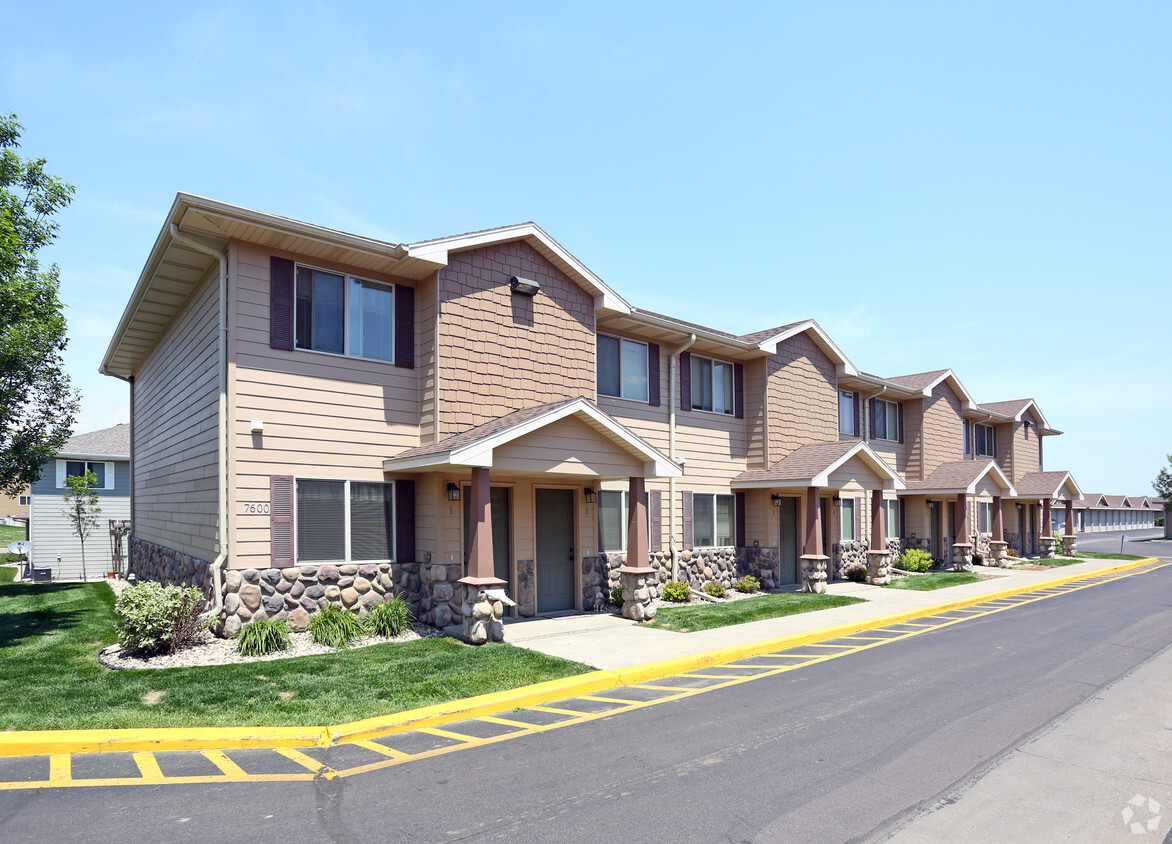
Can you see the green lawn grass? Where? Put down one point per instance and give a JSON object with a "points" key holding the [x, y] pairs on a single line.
{"points": [[50, 677], [933, 580], [10, 533], [1094, 555], [708, 616], [1057, 561]]}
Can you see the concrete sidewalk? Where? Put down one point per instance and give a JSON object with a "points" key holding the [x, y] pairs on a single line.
{"points": [[611, 643]]}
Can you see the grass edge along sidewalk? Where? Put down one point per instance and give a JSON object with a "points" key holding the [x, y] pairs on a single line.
{"points": [[46, 742]]}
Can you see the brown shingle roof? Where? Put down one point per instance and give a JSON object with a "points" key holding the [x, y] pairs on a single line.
{"points": [[918, 381], [108, 442], [1040, 483], [758, 336], [754, 337], [480, 432], [1006, 408], [1115, 502], [803, 464], [952, 476]]}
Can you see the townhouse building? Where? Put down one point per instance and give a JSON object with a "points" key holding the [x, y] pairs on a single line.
{"points": [[1099, 513], [479, 419]]}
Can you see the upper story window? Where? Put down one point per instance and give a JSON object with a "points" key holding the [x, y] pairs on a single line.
{"points": [[622, 368], [104, 472], [848, 413], [886, 420], [344, 315], [713, 520], [986, 440], [24, 501], [713, 386]]}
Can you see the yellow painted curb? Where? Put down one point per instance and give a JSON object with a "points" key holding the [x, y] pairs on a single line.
{"points": [[48, 742]]}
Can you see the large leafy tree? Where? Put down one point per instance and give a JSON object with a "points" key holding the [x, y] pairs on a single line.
{"points": [[37, 405], [1163, 484]]}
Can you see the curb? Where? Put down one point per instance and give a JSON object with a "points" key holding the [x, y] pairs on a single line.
{"points": [[49, 742]]}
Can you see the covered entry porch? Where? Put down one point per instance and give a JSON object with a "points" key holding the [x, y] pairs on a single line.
{"points": [[507, 513], [957, 513], [1037, 493], [831, 512]]}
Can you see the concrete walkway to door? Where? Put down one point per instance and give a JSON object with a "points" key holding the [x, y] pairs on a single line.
{"points": [[610, 642]]}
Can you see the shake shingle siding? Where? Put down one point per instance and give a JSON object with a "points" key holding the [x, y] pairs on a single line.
{"points": [[942, 434], [803, 397]]}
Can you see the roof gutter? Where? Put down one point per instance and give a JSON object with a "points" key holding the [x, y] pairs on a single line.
{"points": [[222, 410]]}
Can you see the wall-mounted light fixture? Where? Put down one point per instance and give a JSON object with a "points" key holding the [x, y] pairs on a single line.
{"points": [[524, 286], [590, 495], [257, 426], [836, 501], [776, 500], [453, 492]]}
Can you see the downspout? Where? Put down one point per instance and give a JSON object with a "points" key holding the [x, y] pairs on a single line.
{"points": [[671, 452], [222, 428]]}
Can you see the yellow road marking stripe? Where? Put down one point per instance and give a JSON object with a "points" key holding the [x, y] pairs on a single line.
{"points": [[492, 719], [148, 766], [60, 768], [436, 731], [605, 699], [303, 760], [383, 749], [714, 676], [221, 761], [662, 688], [556, 711]]}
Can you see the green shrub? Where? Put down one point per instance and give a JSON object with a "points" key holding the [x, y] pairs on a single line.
{"points": [[676, 592], [616, 596], [858, 574], [716, 590], [262, 637], [389, 619], [914, 560], [1159, 521], [748, 583], [334, 627], [1059, 546], [153, 618], [1012, 552]]}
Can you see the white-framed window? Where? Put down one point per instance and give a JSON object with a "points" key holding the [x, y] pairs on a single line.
{"points": [[23, 501], [344, 315], [714, 519], [76, 468], [886, 420], [986, 437], [984, 517], [847, 523], [847, 415], [612, 520], [712, 385], [344, 521], [891, 517], [622, 368]]}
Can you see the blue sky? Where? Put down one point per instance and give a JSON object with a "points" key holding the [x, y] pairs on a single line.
{"points": [[985, 188]]}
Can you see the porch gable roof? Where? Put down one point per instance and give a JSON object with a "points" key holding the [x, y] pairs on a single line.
{"points": [[962, 476], [811, 465], [1051, 485]]}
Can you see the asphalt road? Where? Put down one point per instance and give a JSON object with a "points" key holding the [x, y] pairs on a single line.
{"points": [[1145, 543], [844, 750]]}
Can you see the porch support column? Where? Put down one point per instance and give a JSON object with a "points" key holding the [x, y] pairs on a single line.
{"points": [[997, 544], [813, 561], [1069, 540], [484, 594], [962, 551], [1046, 538], [878, 558], [637, 575]]}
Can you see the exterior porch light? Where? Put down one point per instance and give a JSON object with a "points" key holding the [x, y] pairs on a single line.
{"points": [[590, 495], [453, 492], [776, 499]]}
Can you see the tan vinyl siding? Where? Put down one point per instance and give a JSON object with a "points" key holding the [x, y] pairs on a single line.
{"points": [[325, 416], [500, 351], [943, 434], [176, 396], [894, 454], [568, 446], [802, 396], [853, 474]]}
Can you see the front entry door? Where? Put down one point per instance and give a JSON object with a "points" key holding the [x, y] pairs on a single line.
{"points": [[934, 530], [555, 550], [787, 560]]}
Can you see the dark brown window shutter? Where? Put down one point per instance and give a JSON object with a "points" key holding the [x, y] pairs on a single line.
{"points": [[281, 520], [858, 416], [685, 381], [404, 326], [686, 508], [859, 518], [739, 390], [653, 374], [280, 303], [739, 534], [899, 416], [655, 517], [404, 521], [872, 404]]}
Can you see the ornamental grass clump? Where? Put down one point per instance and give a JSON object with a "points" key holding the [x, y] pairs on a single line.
{"points": [[267, 636], [334, 627], [676, 592], [856, 574], [389, 619], [154, 619]]}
